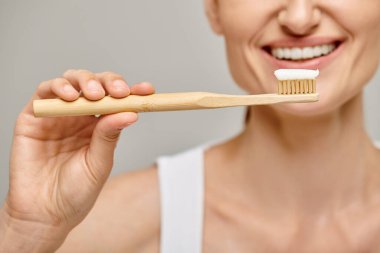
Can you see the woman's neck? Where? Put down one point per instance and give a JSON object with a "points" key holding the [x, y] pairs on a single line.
{"points": [[310, 165]]}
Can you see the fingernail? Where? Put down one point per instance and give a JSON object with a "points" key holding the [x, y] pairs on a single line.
{"points": [[119, 85], [67, 88], [93, 86]]}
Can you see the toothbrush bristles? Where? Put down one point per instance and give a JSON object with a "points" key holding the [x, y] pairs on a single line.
{"points": [[305, 86]]}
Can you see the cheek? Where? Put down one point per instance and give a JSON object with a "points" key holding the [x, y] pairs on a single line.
{"points": [[357, 14], [242, 19], [361, 19], [243, 22]]}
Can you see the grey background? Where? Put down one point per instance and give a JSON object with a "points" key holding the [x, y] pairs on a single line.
{"points": [[166, 42]]}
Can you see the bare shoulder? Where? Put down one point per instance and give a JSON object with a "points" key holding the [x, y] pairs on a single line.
{"points": [[125, 218]]}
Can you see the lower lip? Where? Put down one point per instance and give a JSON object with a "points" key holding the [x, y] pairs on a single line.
{"points": [[316, 63]]}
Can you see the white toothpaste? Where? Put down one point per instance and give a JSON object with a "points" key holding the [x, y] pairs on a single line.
{"points": [[296, 74]]}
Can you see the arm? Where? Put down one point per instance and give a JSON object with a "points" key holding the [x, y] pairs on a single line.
{"points": [[126, 217], [22, 236]]}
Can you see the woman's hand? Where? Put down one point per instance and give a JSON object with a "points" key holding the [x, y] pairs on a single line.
{"points": [[59, 165]]}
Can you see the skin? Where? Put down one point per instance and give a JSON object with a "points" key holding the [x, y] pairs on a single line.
{"points": [[321, 193]]}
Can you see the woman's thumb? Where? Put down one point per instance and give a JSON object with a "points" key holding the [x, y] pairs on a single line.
{"points": [[103, 143]]}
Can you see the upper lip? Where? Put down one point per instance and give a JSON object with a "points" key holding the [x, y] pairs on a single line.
{"points": [[303, 42]]}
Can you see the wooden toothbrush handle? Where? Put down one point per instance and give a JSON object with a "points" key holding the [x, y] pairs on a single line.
{"points": [[108, 105]]}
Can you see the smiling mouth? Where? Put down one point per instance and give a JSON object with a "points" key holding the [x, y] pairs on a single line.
{"points": [[298, 54]]}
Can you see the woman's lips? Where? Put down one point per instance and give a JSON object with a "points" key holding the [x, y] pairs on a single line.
{"points": [[313, 63]]}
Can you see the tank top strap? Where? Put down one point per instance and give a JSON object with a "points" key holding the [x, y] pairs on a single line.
{"points": [[377, 143], [181, 182]]}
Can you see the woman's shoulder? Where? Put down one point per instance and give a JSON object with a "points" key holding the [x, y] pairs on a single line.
{"points": [[126, 216], [135, 199]]}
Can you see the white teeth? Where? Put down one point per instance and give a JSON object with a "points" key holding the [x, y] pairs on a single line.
{"points": [[302, 53], [331, 48], [287, 53], [317, 51], [280, 53], [296, 53], [325, 49], [307, 53], [274, 52]]}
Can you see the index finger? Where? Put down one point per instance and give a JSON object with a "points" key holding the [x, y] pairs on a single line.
{"points": [[142, 89]]}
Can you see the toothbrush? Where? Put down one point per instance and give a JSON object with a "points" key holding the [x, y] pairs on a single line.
{"points": [[294, 86]]}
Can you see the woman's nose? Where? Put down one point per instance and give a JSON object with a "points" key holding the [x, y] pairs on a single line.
{"points": [[299, 17]]}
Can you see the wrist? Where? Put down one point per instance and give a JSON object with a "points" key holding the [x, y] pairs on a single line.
{"points": [[28, 236]]}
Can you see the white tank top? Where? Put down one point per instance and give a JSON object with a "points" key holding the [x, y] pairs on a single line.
{"points": [[181, 180]]}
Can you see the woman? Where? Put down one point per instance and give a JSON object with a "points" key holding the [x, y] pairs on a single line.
{"points": [[298, 178]]}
